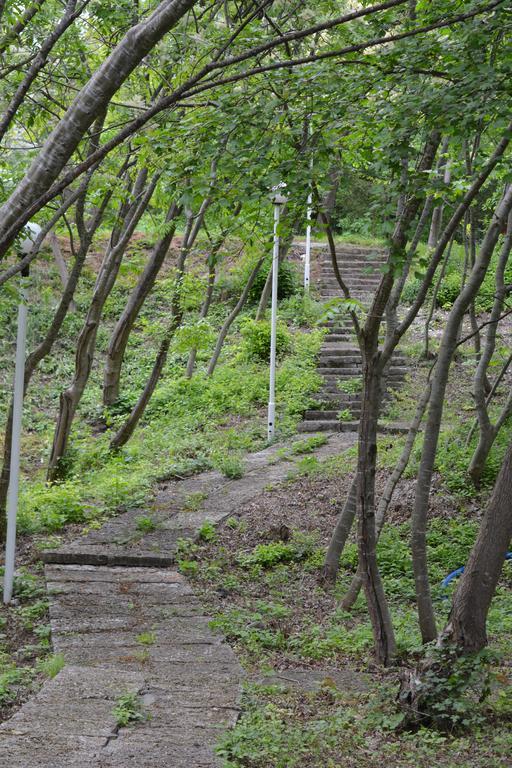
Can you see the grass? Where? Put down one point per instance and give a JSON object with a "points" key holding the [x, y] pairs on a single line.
{"points": [[190, 425]]}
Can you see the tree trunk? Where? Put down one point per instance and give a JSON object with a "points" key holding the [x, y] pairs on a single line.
{"points": [[121, 333], [423, 484], [92, 99], [466, 626], [340, 535], [387, 496], [384, 638], [488, 431], [465, 632], [70, 398]]}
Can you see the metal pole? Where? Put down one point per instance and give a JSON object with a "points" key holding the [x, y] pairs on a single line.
{"points": [[307, 260], [14, 477], [273, 324]]}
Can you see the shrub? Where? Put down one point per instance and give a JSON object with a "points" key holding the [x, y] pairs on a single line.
{"points": [[256, 335], [287, 281], [49, 508], [410, 291]]}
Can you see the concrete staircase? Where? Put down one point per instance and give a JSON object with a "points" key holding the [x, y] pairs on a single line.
{"points": [[339, 361]]}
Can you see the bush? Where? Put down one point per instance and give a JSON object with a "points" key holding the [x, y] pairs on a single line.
{"points": [[256, 335], [287, 282], [410, 291], [49, 508], [449, 290], [301, 310]]}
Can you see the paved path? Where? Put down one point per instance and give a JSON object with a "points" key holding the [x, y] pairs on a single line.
{"points": [[128, 623]]}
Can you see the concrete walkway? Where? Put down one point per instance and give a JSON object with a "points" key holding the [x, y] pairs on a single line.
{"points": [[128, 624]]}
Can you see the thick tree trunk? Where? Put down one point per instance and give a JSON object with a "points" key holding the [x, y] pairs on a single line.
{"points": [[465, 632], [92, 100], [423, 484], [466, 626], [387, 496], [384, 638], [121, 333]]}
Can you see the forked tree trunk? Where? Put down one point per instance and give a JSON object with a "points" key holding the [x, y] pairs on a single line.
{"points": [[86, 343], [123, 328], [487, 430], [423, 484]]}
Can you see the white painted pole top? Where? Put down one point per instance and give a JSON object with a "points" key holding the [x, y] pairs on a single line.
{"points": [[277, 196], [31, 230]]}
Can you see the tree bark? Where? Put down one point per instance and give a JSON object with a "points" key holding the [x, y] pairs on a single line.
{"points": [[465, 632], [70, 398], [387, 496], [92, 100], [466, 627], [488, 431], [121, 333], [423, 484]]}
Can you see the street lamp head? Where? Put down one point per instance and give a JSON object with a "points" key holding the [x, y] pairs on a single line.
{"points": [[277, 196], [31, 232]]}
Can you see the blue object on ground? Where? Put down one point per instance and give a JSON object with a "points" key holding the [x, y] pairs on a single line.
{"points": [[454, 574]]}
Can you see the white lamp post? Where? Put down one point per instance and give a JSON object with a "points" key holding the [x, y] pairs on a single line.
{"points": [[278, 200], [307, 260], [24, 248]]}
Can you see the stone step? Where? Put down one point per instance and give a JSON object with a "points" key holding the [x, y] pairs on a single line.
{"points": [[328, 415], [328, 426], [349, 426], [356, 264]]}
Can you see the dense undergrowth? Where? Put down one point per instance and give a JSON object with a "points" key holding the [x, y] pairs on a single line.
{"points": [[264, 591], [190, 425]]}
